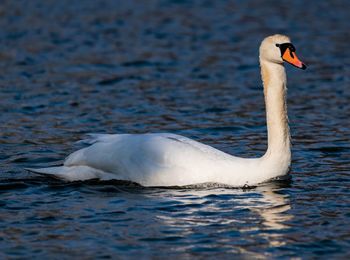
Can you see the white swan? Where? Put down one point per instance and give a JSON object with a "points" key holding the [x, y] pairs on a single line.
{"points": [[173, 160]]}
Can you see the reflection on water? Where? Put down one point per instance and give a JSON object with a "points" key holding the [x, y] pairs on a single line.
{"points": [[264, 204], [184, 66], [275, 216]]}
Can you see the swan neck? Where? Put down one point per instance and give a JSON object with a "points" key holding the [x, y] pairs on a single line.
{"points": [[275, 88]]}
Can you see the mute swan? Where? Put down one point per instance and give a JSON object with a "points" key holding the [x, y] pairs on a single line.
{"points": [[172, 160]]}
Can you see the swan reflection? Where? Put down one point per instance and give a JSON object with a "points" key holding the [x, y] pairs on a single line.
{"points": [[234, 218]]}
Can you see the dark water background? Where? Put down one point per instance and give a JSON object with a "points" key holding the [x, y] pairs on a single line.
{"points": [[189, 67]]}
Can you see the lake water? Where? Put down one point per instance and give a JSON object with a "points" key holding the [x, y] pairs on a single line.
{"points": [[186, 67]]}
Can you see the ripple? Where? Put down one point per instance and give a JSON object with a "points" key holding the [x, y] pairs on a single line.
{"points": [[188, 67]]}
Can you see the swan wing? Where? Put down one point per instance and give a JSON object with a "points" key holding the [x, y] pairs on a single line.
{"points": [[149, 159]]}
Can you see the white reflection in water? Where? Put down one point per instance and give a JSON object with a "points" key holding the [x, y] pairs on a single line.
{"points": [[233, 218], [274, 215]]}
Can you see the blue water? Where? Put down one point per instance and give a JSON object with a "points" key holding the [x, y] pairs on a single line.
{"points": [[188, 67]]}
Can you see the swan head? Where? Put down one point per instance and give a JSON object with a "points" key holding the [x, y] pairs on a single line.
{"points": [[278, 49]]}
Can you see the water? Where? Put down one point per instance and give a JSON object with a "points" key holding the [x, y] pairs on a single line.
{"points": [[186, 67]]}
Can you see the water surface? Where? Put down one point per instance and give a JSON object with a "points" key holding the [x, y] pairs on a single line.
{"points": [[186, 67]]}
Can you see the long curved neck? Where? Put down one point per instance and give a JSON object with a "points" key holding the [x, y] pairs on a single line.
{"points": [[275, 81]]}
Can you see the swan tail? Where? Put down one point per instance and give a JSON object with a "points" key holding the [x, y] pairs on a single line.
{"points": [[73, 173]]}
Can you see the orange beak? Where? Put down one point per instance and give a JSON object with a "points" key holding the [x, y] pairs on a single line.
{"points": [[290, 57]]}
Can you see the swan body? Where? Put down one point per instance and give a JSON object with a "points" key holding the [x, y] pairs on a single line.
{"points": [[172, 160], [161, 160]]}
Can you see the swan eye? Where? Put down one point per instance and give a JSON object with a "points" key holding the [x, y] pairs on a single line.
{"points": [[278, 45]]}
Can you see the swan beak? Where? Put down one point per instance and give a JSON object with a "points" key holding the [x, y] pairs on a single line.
{"points": [[290, 57]]}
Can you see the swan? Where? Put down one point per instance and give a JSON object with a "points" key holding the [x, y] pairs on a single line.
{"points": [[164, 159]]}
